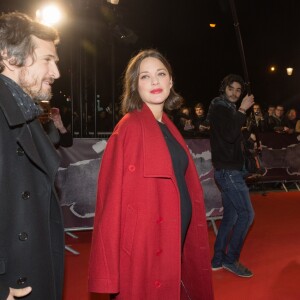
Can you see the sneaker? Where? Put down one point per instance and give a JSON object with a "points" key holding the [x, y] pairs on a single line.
{"points": [[238, 269], [216, 267]]}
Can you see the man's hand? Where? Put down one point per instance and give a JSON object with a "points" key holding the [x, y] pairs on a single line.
{"points": [[247, 102], [18, 292]]}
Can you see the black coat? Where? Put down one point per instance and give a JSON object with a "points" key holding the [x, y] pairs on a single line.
{"points": [[31, 227]]}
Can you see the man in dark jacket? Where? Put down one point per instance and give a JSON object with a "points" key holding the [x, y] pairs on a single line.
{"points": [[31, 228], [227, 156]]}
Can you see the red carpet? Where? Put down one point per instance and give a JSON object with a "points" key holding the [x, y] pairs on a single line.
{"points": [[271, 251]]}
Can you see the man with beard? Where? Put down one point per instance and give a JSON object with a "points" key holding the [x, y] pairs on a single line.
{"points": [[227, 156], [31, 228]]}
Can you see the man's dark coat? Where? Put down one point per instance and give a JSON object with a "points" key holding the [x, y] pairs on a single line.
{"points": [[31, 228]]}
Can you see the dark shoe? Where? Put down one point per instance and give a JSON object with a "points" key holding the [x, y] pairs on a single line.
{"points": [[216, 267], [237, 269]]}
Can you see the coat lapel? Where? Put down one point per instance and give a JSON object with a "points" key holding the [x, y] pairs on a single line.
{"points": [[9, 107], [24, 139], [31, 137], [45, 149], [154, 146]]}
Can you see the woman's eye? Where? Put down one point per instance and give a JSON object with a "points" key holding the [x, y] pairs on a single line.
{"points": [[144, 76], [162, 74]]}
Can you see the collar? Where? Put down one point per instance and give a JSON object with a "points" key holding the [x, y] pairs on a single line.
{"points": [[9, 106], [155, 145], [29, 109]]}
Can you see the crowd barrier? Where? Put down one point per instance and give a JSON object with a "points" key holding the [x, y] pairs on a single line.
{"points": [[76, 180], [280, 158]]}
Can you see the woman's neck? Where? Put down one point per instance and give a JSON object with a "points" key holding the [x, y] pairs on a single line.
{"points": [[157, 111]]}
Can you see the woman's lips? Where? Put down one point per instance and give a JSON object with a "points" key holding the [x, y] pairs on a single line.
{"points": [[156, 91]]}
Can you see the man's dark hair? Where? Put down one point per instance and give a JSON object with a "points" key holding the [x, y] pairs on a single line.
{"points": [[228, 80], [16, 31]]}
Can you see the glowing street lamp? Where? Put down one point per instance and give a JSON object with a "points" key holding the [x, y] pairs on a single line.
{"points": [[49, 15], [115, 2], [289, 71]]}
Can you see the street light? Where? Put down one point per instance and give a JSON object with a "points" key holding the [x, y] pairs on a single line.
{"points": [[49, 14], [115, 2], [289, 71]]}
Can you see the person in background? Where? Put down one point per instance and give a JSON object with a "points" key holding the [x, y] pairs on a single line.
{"points": [[268, 114], [271, 110], [290, 120], [256, 121], [54, 127], [31, 227], [150, 233], [199, 120], [226, 122], [277, 123], [65, 136], [255, 125], [185, 120]]}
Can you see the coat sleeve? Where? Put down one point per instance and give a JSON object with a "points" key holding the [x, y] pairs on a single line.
{"points": [[105, 250]]}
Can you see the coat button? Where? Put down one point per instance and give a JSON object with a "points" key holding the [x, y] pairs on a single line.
{"points": [[158, 252], [25, 195], [21, 280], [159, 220], [157, 284], [20, 151], [131, 168], [23, 236]]}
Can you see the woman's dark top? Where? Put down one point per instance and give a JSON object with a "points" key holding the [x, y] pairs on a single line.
{"points": [[180, 163]]}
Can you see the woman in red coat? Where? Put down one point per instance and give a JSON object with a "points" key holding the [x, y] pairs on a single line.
{"points": [[150, 233]]}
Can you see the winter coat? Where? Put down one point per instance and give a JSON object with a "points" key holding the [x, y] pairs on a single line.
{"points": [[31, 228], [136, 247]]}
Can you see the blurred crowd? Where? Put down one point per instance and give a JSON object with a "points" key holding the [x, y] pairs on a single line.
{"points": [[192, 121]]}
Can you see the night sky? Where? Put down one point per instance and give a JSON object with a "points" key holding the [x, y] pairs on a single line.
{"points": [[98, 40]]}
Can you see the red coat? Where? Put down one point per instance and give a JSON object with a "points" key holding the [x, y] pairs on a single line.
{"points": [[136, 247]]}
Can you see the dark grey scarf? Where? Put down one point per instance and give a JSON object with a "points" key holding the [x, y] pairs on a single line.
{"points": [[29, 109]]}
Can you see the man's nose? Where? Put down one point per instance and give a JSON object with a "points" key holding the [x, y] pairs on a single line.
{"points": [[54, 71]]}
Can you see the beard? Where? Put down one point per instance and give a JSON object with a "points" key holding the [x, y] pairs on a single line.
{"points": [[233, 99], [33, 87]]}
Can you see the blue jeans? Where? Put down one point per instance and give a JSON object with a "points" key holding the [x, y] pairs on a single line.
{"points": [[238, 215]]}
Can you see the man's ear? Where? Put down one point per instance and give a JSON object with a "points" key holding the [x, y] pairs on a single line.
{"points": [[3, 53], [10, 62]]}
